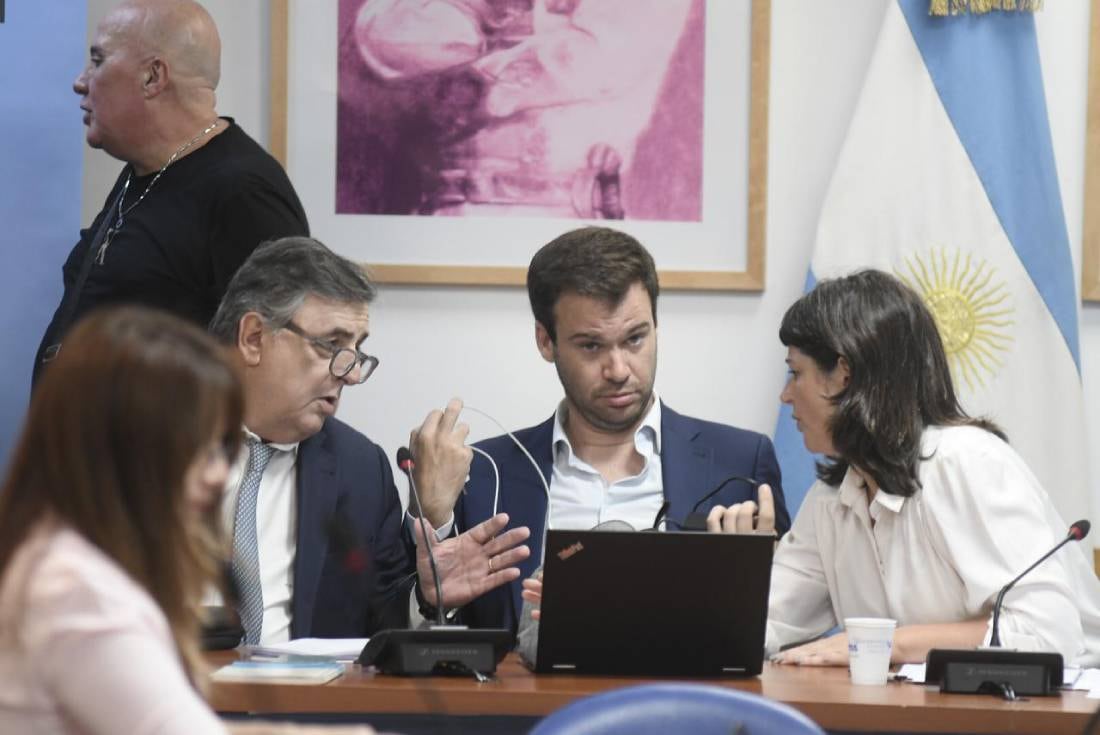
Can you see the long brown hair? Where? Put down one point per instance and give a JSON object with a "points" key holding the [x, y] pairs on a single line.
{"points": [[132, 400]]}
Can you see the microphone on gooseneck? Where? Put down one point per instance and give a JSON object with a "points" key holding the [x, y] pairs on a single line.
{"points": [[406, 464], [697, 521], [1077, 531]]}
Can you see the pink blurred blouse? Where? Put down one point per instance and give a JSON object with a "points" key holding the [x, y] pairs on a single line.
{"points": [[85, 649]]}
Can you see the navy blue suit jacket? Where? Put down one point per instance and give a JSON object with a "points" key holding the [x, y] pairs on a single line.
{"points": [[696, 456], [352, 570]]}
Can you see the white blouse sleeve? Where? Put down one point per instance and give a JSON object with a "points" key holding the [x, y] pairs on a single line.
{"points": [[987, 515], [799, 604], [105, 663]]}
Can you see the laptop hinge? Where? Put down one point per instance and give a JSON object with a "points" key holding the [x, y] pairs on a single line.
{"points": [[564, 667], [734, 669]]}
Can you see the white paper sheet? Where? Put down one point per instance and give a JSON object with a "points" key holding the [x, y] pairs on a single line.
{"points": [[341, 649]]}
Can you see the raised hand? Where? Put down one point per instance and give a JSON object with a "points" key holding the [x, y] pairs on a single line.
{"points": [[442, 461], [745, 517], [472, 563]]}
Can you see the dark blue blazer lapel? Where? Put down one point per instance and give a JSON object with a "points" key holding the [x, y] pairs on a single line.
{"points": [[533, 503], [317, 496], [529, 509], [524, 498], [687, 465]]}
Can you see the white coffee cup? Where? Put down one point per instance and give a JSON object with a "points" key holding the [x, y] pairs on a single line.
{"points": [[870, 641]]}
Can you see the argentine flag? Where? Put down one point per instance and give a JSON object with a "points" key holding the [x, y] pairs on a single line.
{"points": [[947, 179]]}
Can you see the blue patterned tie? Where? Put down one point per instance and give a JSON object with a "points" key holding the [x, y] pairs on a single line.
{"points": [[246, 548]]}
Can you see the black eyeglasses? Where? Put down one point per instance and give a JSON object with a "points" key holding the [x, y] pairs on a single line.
{"points": [[343, 359]]}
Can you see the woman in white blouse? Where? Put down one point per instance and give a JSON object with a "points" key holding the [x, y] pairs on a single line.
{"points": [[105, 545], [920, 513]]}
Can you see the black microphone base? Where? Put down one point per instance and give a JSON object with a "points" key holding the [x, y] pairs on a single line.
{"points": [[441, 650], [995, 671], [221, 628]]}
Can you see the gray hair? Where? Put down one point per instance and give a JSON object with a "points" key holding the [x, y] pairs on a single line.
{"points": [[278, 277]]}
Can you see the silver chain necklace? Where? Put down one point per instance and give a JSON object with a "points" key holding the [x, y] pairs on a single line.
{"points": [[101, 255]]}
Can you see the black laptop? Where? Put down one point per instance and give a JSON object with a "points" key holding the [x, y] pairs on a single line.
{"points": [[679, 604]]}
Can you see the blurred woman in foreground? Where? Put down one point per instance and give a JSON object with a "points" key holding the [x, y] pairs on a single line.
{"points": [[105, 546], [106, 532]]}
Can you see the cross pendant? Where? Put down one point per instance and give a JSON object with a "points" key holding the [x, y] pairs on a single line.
{"points": [[101, 254]]}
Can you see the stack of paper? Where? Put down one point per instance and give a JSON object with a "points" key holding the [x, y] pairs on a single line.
{"points": [[278, 672], [340, 649], [1086, 680]]}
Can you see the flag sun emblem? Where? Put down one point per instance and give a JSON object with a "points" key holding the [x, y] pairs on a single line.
{"points": [[972, 308]]}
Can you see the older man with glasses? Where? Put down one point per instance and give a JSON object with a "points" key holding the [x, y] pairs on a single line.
{"points": [[318, 543]]}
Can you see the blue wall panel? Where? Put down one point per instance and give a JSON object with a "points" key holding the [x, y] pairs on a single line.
{"points": [[43, 46]]}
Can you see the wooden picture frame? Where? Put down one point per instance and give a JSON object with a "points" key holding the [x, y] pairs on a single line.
{"points": [[750, 277], [1090, 236]]}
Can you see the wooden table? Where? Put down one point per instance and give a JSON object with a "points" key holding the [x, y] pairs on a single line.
{"points": [[825, 695]]}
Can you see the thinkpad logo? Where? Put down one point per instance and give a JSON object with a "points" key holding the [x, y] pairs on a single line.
{"points": [[570, 550]]}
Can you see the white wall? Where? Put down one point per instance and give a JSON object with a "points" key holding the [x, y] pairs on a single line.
{"points": [[720, 358]]}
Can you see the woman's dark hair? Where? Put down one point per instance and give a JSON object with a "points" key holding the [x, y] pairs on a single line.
{"points": [[132, 401], [899, 381], [597, 262]]}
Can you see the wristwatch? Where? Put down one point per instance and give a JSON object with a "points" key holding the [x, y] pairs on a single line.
{"points": [[428, 610]]}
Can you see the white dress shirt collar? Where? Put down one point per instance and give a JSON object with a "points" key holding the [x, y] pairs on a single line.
{"points": [[650, 429], [889, 501], [852, 494], [292, 447], [581, 498]]}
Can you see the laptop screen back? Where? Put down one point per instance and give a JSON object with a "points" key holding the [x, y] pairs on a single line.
{"points": [[692, 604]]}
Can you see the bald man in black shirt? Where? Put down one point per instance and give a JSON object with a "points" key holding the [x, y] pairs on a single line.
{"points": [[197, 194]]}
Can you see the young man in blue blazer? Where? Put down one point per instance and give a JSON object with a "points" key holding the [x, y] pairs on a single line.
{"points": [[612, 451]]}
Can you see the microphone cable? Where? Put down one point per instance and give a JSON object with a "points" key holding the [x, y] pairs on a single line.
{"points": [[538, 471], [496, 478]]}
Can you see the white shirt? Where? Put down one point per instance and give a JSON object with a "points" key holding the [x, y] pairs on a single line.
{"points": [[276, 532], [979, 519], [580, 498]]}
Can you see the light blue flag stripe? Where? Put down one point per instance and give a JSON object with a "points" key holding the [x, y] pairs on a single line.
{"points": [[796, 464], [42, 49], [987, 72]]}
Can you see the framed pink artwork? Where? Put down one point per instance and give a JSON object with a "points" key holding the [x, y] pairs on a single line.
{"points": [[444, 141]]}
